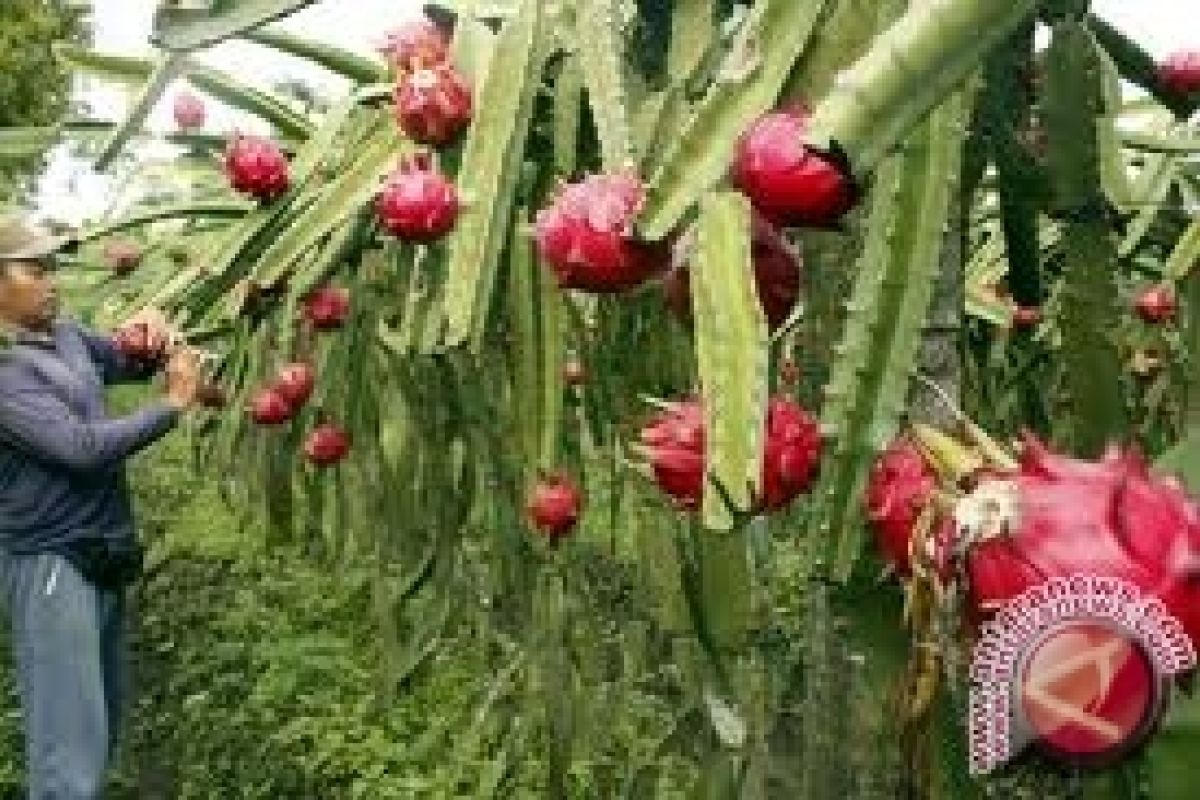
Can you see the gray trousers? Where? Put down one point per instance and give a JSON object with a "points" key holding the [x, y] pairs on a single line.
{"points": [[68, 642]]}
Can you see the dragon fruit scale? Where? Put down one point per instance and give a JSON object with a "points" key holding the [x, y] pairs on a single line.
{"points": [[417, 203], [256, 166], [433, 105]]}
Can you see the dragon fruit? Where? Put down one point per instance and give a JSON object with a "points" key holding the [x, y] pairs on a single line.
{"points": [[586, 236], [777, 275], [1026, 317], [294, 382], [188, 110], [1055, 516], [122, 255], [137, 342], [791, 452], [433, 105], [256, 166], [901, 484], [269, 407], [327, 307], [1156, 305], [326, 445], [1179, 73], [417, 203], [554, 505], [417, 44], [788, 182]]}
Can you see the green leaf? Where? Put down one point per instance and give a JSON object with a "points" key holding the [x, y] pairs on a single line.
{"points": [[184, 30], [335, 59], [600, 48]]}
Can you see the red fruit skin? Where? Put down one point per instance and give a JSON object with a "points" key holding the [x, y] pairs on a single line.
{"points": [[433, 105], [899, 486], [295, 383], [417, 203], [326, 445], [417, 44], [586, 236], [327, 307], [256, 166], [134, 342], [1156, 305], [122, 256], [675, 440], [268, 407], [554, 505], [188, 110], [1026, 317], [1110, 518], [1179, 73], [789, 183], [778, 276]]}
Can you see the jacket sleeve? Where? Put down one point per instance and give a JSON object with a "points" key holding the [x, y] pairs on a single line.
{"points": [[38, 423], [115, 367]]}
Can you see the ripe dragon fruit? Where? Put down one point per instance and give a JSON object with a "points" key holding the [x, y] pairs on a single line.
{"points": [[901, 484], [792, 449], [1179, 73], [554, 505], [418, 44], [256, 166], [1055, 516], [433, 105], [135, 341], [122, 255], [269, 407], [294, 383], [327, 307], [1156, 305], [586, 236], [417, 203], [787, 181], [777, 275], [188, 110], [1026, 317], [326, 445]]}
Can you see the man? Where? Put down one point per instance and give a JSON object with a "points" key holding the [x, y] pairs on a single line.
{"points": [[67, 543]]}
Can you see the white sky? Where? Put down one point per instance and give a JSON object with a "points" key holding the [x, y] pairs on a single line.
{"points": [[123, 26]]}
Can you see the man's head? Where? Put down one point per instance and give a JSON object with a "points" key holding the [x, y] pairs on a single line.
{"points": [[27, 259]]}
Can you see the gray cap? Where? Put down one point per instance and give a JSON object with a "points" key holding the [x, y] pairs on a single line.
{"points": [[21, 240]]}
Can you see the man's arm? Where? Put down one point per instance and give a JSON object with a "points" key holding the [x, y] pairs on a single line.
{"points": [[38, 423], [115, 366]]}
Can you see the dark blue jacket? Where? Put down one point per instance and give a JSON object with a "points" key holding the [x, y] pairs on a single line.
{"points": [[62, 471]]}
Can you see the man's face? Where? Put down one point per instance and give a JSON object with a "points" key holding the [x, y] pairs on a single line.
{"points": [[27, 294]]}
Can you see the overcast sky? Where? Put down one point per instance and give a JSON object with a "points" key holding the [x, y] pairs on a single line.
{"points": [[124, 26]]}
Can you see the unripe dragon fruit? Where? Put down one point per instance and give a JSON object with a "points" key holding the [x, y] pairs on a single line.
{"points": [[326, 445], [1055, 516], [587, 237], [554, 505], [188, 110], [1156, 305], [1179, 73], [900, 486], [777, 275], [787, 181], [433, 105], [791, 452], [417, 203], [416, 45], [256, 166], [327, 307]]}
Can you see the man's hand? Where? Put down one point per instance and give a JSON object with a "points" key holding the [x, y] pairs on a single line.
{"points": [[158, 327], [183, 377]]}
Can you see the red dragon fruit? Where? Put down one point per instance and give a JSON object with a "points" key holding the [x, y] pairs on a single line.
{"points": [[327, 307], [137, 342], [1156, 305], [789, 182], [1179, 73], [122, 255], [587, 238], [1055, 516], [675, 442], [554, 505], [417, 203], [417, 44], [256, 166], [326, 445], [777, 275], [269, 407], [1026, 317], [433, 105], [900, 486], [294, 382], [188, 110]]}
